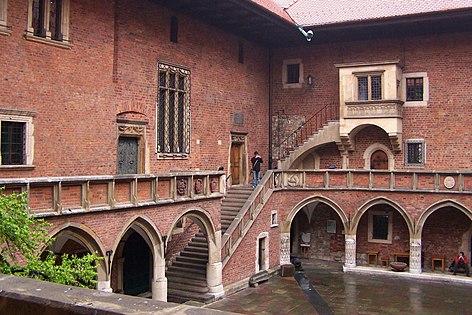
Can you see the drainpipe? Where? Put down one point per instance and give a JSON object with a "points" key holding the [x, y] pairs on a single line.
{"points": [[270, 108]]}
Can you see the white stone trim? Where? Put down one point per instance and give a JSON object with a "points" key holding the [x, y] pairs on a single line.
{"points": [[265, 236], [425, 101], [423, 150], [375, 147], [273, 219], [4, 30]]}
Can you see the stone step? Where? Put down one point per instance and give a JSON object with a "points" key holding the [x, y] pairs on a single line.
{"points": [[197, 287], [196, 260], [198, 255], [184, 274], [197, 249], [198, 267], [188, 270], [179, 296]]}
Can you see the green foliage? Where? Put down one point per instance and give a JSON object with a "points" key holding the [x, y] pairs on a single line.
{"points": [[22, 238]]}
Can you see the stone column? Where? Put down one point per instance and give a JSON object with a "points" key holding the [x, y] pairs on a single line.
{"points": [[350, 248], [215, 279], [104, 286], [284, 248], [159, 282], [415, 256]]}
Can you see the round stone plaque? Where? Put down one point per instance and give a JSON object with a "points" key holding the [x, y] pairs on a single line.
{"points": [[449, 182]]}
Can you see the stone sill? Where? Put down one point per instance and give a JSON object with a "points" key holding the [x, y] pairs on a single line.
{"points": [[17, 167], [48, 41]]}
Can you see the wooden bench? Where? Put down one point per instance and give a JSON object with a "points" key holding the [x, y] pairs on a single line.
{"points": [[374, 254]]}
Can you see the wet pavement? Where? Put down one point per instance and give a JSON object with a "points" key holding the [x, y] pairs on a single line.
{"points": [[325, 289]]}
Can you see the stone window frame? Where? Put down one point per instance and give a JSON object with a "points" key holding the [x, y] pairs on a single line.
{"points": [[4, 28], [26, 117], [287, 62], [65, 41], [178, 71], [423, 152], [369, 75], [370, 229], [274, 219], [425, 101], [372, 149]]}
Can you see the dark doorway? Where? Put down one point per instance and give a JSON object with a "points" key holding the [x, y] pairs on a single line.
{"points": [[127, 155], [136, 266], [261, 254]]}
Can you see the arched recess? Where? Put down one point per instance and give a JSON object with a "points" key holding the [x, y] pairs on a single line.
{"points": [[379, 201], [310, 160], [445, 228], [349, 132], [317, 227], [75, 238], [378, 147], [193, 257], [137, 257]]}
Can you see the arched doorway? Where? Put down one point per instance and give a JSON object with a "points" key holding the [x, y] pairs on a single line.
{"points": [[446, 232], [317, 232], [193, 259], [382, 236], [137, 271]]}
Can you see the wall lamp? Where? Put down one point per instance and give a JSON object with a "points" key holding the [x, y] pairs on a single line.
{"points": [[309, 80], [109, 253]]}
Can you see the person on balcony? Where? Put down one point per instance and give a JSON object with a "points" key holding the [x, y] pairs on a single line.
{"points": [[461, 261], [256, 162]]}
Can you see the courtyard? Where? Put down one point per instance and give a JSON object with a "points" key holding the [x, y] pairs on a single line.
{"points": [[331, 291]]}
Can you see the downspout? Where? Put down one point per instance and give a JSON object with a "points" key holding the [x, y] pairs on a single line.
{"points": [[270, 108]]}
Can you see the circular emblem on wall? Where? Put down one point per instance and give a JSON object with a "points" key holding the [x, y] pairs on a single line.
{"points": [[449, 182]]}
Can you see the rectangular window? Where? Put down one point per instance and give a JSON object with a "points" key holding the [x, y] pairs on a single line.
{"points": [[48, 19], [380, 226], [415, 152], [173, 110], [414, 89], [174, 29], [3, 12], [13, 143], [240, 52], [369, 87], [293, 73]]}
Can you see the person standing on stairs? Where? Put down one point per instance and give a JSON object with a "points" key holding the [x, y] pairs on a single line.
{"points": [[256, 161]]}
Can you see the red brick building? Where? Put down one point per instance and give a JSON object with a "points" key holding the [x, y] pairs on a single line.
{"points": [[116, 117]]}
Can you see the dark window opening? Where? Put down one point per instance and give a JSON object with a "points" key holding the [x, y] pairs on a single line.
{"points": [[415, 153], [174, 29], [39, 12], [376, 82], [293, 73], [414, 89], [241, 52], [362, 88], [13, 143], [55, 19], [380, 227], [369, 87]]}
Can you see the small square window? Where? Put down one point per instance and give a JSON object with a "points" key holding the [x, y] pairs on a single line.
{"points": [[414, 89], [16, 138], [415, 152], [292, 73]]}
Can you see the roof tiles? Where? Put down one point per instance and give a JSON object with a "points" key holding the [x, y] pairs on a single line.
{"points": [[323, 12]]}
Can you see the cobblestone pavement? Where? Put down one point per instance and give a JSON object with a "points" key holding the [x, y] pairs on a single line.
{"points": [[350, 293]]}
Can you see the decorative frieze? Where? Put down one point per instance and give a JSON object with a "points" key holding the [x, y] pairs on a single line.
{"points": [[376, 109]]}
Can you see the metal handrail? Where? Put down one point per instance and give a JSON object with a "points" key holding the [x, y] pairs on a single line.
{"points": [[314, 123]]}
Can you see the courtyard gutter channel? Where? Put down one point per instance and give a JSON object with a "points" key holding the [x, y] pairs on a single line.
{"points": [[312, 295]]}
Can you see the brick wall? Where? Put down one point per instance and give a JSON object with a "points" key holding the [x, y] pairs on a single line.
{"points": [[441, 124]]}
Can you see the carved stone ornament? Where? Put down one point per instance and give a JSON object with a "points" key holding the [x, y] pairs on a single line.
{"points": [[238, 138], [293, 180], [131, 130], [214, 185], [198, 186], [181, 187], [449, 182]]}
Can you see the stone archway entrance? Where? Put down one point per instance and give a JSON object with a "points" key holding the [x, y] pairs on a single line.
{"points": [[317, 231]]}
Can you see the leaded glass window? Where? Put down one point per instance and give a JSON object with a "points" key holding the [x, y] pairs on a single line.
{"points": [[13, 143], [173, 110], [369, 87], [414, 89]]}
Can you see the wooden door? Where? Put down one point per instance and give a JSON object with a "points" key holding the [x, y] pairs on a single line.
{"points": [[127, 155], [379, 160], [235, 161]]}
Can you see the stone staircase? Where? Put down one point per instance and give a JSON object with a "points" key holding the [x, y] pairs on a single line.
{"points": [[232, 204], [186, 277]]}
